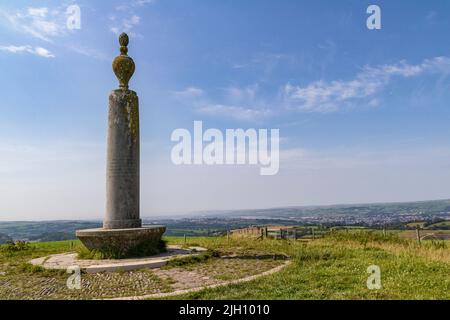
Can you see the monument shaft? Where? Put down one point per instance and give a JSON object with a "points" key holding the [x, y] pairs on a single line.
{"points": [[122, 183], [122, 234]]}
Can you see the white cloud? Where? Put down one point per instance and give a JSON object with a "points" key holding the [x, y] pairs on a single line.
{"points": [[240, 103], [40, 23], [235, 112], [43, 52], [247, 103], [126, 24], [237, 103], [130, 20], [40, 12], [129, 23], [245, 95], [431, 17], [39, 51], [189, 92], [133, 4], [329, 96], [114, 30], [140, 3], [89, 52], [43, 23]]}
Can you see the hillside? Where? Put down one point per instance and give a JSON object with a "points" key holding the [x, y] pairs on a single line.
{"points": [[433, 207], [390, 215]]}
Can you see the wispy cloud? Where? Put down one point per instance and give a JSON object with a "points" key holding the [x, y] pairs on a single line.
{"points": [[130, 5], [125, 25], [189, 93], [130, 19], [45, 24], [325, 96], [38, 51], [39, 22], [248, 103], [242, 95], [88, 52], [265, 62], [236, 103], [431, 17], [235, 112]]}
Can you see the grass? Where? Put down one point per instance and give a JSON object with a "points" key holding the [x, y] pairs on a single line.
{"points": [[443, 224], [21, 280], [190, 260], [411, 234], [148, 248], [334, 267]]}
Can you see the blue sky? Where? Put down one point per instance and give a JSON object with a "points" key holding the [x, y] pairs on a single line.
{"points": [[363, 114]]}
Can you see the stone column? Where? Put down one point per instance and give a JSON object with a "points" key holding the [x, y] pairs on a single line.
{"points": [[122, 234], [122, 182]]}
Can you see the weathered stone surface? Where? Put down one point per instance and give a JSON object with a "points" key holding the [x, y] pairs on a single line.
{"points": [[122, 184], [123, 65], [122, 234], [120, 243]]}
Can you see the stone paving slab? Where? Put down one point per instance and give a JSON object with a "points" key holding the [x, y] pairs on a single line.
{"points": [[66, 260]]}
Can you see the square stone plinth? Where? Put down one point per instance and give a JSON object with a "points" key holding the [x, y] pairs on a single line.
{"points": [[122, 243]]}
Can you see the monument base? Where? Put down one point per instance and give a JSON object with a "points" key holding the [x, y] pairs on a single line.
{"points": [[124, 243]]}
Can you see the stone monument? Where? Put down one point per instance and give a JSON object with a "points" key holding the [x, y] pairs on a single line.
{"points": [[122, 234]]}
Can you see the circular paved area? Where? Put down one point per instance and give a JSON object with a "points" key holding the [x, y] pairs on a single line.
{"points": [[66, 260]]}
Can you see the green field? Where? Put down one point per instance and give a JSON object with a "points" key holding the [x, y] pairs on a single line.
{"points": [[334, 267]]}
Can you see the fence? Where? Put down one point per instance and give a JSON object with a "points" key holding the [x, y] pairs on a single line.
{"points": [[280, 232], [255, 232]]}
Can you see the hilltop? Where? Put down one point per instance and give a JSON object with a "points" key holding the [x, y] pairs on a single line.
{"points": [[334, 267]]}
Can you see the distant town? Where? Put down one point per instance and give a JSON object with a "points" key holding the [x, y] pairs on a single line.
{"points": [[393, 216]]}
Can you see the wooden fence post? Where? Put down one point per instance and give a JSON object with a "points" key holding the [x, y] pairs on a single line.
{"points": [[418, 234]]}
